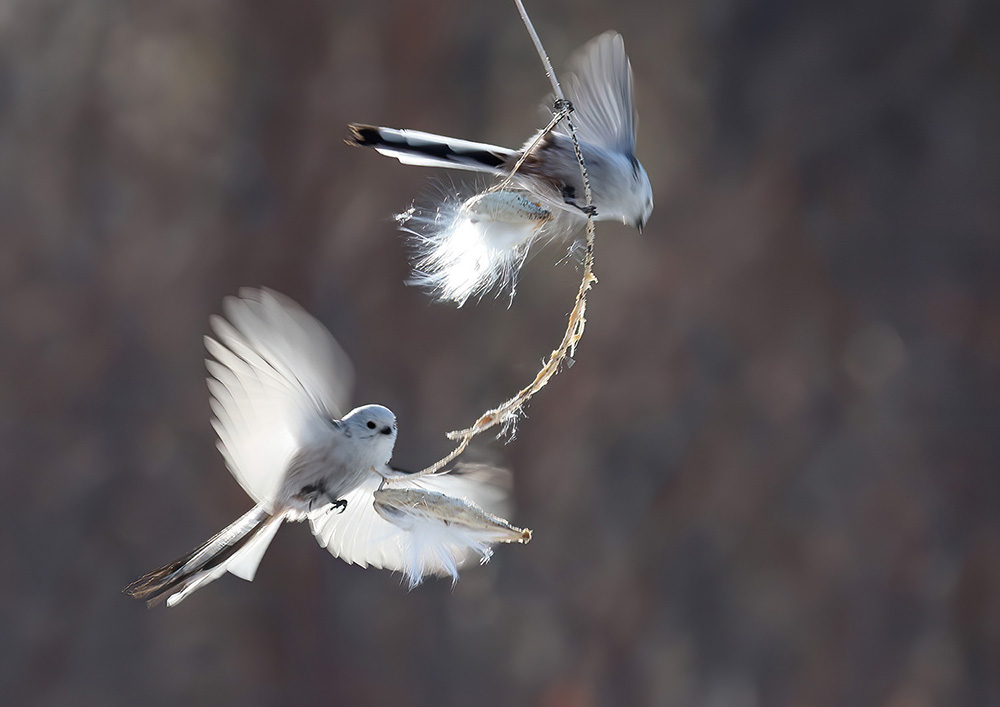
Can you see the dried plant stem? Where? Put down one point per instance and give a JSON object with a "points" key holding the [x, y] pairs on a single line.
{"points": [[509, 410], [572, 336], [563, 110], [542, 54]]}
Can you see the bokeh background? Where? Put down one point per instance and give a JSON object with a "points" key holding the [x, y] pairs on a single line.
{"points": [[772, 476]]}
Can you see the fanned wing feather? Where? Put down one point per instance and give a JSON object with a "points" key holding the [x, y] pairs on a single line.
{"points": [[296, 345], [600, 87], [278, 375], [358, 535]]}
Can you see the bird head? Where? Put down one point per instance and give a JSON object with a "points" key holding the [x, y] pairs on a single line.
{"points": [[376, 424]]}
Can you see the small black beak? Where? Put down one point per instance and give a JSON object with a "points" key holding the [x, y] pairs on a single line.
{"points": [[386, 430]]}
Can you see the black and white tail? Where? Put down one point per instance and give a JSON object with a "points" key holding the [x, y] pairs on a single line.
{"points": [[429, 150], [237, 549]]}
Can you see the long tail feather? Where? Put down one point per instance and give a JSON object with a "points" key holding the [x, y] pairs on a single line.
{"points": [[249, 536], [429, 150]]}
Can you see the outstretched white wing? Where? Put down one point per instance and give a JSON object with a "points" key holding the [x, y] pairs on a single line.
{"points": [[277, 379], [360, 536], [599, 86]]}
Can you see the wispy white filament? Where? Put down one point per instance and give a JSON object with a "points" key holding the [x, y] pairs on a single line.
{"points": [[466, 250]]}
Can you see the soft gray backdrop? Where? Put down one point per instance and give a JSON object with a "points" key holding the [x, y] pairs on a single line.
{"points": [[772, 476]]}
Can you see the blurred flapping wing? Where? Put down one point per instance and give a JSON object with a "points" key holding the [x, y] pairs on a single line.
{"points": [[600, 87], [277, 379]]}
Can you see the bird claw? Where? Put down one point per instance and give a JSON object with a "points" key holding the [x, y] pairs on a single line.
{"points": [[314, 492], [340, 505]]}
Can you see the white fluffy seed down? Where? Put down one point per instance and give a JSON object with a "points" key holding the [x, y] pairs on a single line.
{"points": [[466, 251], [442, 531]]}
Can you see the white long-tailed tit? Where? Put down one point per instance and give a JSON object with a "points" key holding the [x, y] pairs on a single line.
{"points": [[464, 247], [599, 87], [278, 384]]}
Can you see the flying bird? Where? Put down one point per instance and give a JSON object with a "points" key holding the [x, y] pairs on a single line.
{"points": [[279, 383], [599, 87]]}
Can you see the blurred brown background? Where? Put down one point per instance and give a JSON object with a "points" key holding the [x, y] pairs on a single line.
{"points": [[771, 477]]}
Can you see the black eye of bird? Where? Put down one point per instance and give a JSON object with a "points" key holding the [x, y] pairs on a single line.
{"points": [[371, 424]]}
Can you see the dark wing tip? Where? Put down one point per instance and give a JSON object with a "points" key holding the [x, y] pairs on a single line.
{"points": [[150, 588], [363, 135]]}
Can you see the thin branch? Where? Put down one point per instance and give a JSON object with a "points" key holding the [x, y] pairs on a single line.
{"points": [[577, 320], [549, 72], [563, 110]]}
